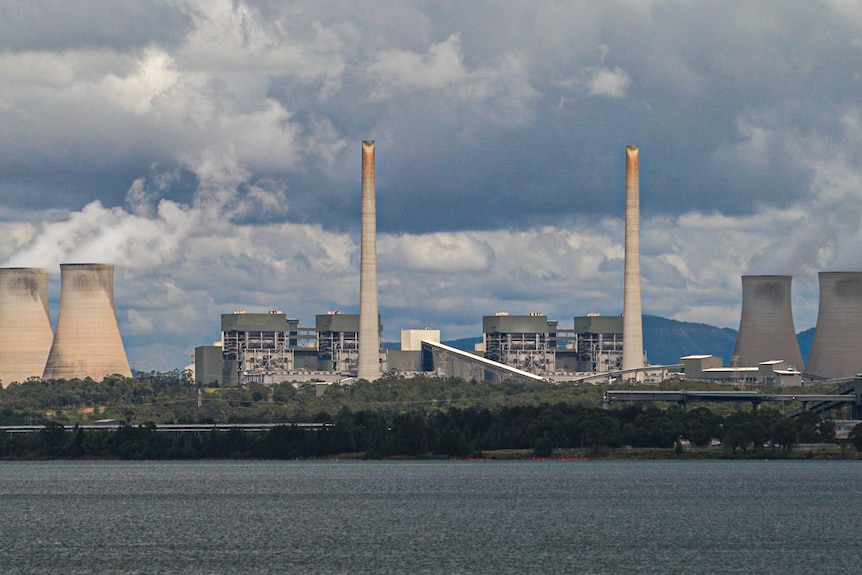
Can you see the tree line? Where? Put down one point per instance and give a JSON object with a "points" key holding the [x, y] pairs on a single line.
{"points": [[173, 397], [453, 432]]}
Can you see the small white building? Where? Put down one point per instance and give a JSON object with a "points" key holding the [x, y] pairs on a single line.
{"points": [[772, 372]]}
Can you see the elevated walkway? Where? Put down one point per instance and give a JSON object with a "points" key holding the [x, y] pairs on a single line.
{"points": [[846, 388], [810, 402]]}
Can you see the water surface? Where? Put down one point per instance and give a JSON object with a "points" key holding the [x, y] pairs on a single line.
{"points": [[430, 517]]}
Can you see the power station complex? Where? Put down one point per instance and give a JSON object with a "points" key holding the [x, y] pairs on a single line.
{"points": [[271, 347], [267, 348]]}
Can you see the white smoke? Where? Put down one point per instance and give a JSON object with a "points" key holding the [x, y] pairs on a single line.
{"points": [[98, 234], [151, 232]]}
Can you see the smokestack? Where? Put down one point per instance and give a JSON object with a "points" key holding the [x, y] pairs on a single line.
{"points": [[368, 366], [87, 342], [633, 340], [25, 324], [837, 347], [766, 329]]}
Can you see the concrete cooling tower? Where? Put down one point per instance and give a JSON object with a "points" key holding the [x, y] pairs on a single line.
{"points": [[837, 347], [25, 337], [87, 341], [766, 329]]}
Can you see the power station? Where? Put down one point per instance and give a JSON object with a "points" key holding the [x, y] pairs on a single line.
{"points": [[268, 348], [766, 348]]}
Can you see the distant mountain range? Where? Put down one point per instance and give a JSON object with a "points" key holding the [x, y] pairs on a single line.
{"points": [[666, 340]]}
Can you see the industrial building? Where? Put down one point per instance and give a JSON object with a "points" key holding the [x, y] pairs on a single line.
{"points": [[412, 357], [338, 342], [269, 348], [709, 367], [599, 343], [525, 342]]}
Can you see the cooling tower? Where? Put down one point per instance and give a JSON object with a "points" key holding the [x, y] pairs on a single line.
{"points": [[25, 323], [87, 341], [837, 347], [633, 340], [766, 329], [368, 363]]}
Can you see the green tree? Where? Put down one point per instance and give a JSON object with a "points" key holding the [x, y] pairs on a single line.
{"points": [[855, 437], [783, 432], [543, 447]]}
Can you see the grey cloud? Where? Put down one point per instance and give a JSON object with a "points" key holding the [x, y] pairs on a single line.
{"points": [[59, 25], [220, 140]]}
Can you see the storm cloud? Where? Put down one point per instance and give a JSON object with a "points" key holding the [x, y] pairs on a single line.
{"points": [[210, 149]]}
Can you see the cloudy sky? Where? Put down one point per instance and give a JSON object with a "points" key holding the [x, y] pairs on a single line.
{"points": [[211, 150]]}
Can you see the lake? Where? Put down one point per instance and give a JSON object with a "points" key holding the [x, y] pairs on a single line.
{"points": [[601, 517]]}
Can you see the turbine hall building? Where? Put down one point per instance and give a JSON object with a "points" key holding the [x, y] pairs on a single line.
{"points": [[538, 345], [525, 342], [338, 340], [269, 348], [599, 344]]}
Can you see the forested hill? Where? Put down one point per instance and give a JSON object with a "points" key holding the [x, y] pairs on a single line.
{"points": [[666, 340]]}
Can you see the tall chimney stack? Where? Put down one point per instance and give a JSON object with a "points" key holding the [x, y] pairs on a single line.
{"points": [[633, 345], [26, 334], [87, 340], [368, 366]]}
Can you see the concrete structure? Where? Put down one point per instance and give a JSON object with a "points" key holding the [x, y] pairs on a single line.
{"points": [[368, 366], [837, 347], [452, 362], [695, 366], [87, 341], [270, 348], [339, 340], [26, 334], [265, 347], [411, 339], [523, 341], [210, 367], [766, 330], [599, 343], [633, 346], [709, 367]]}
